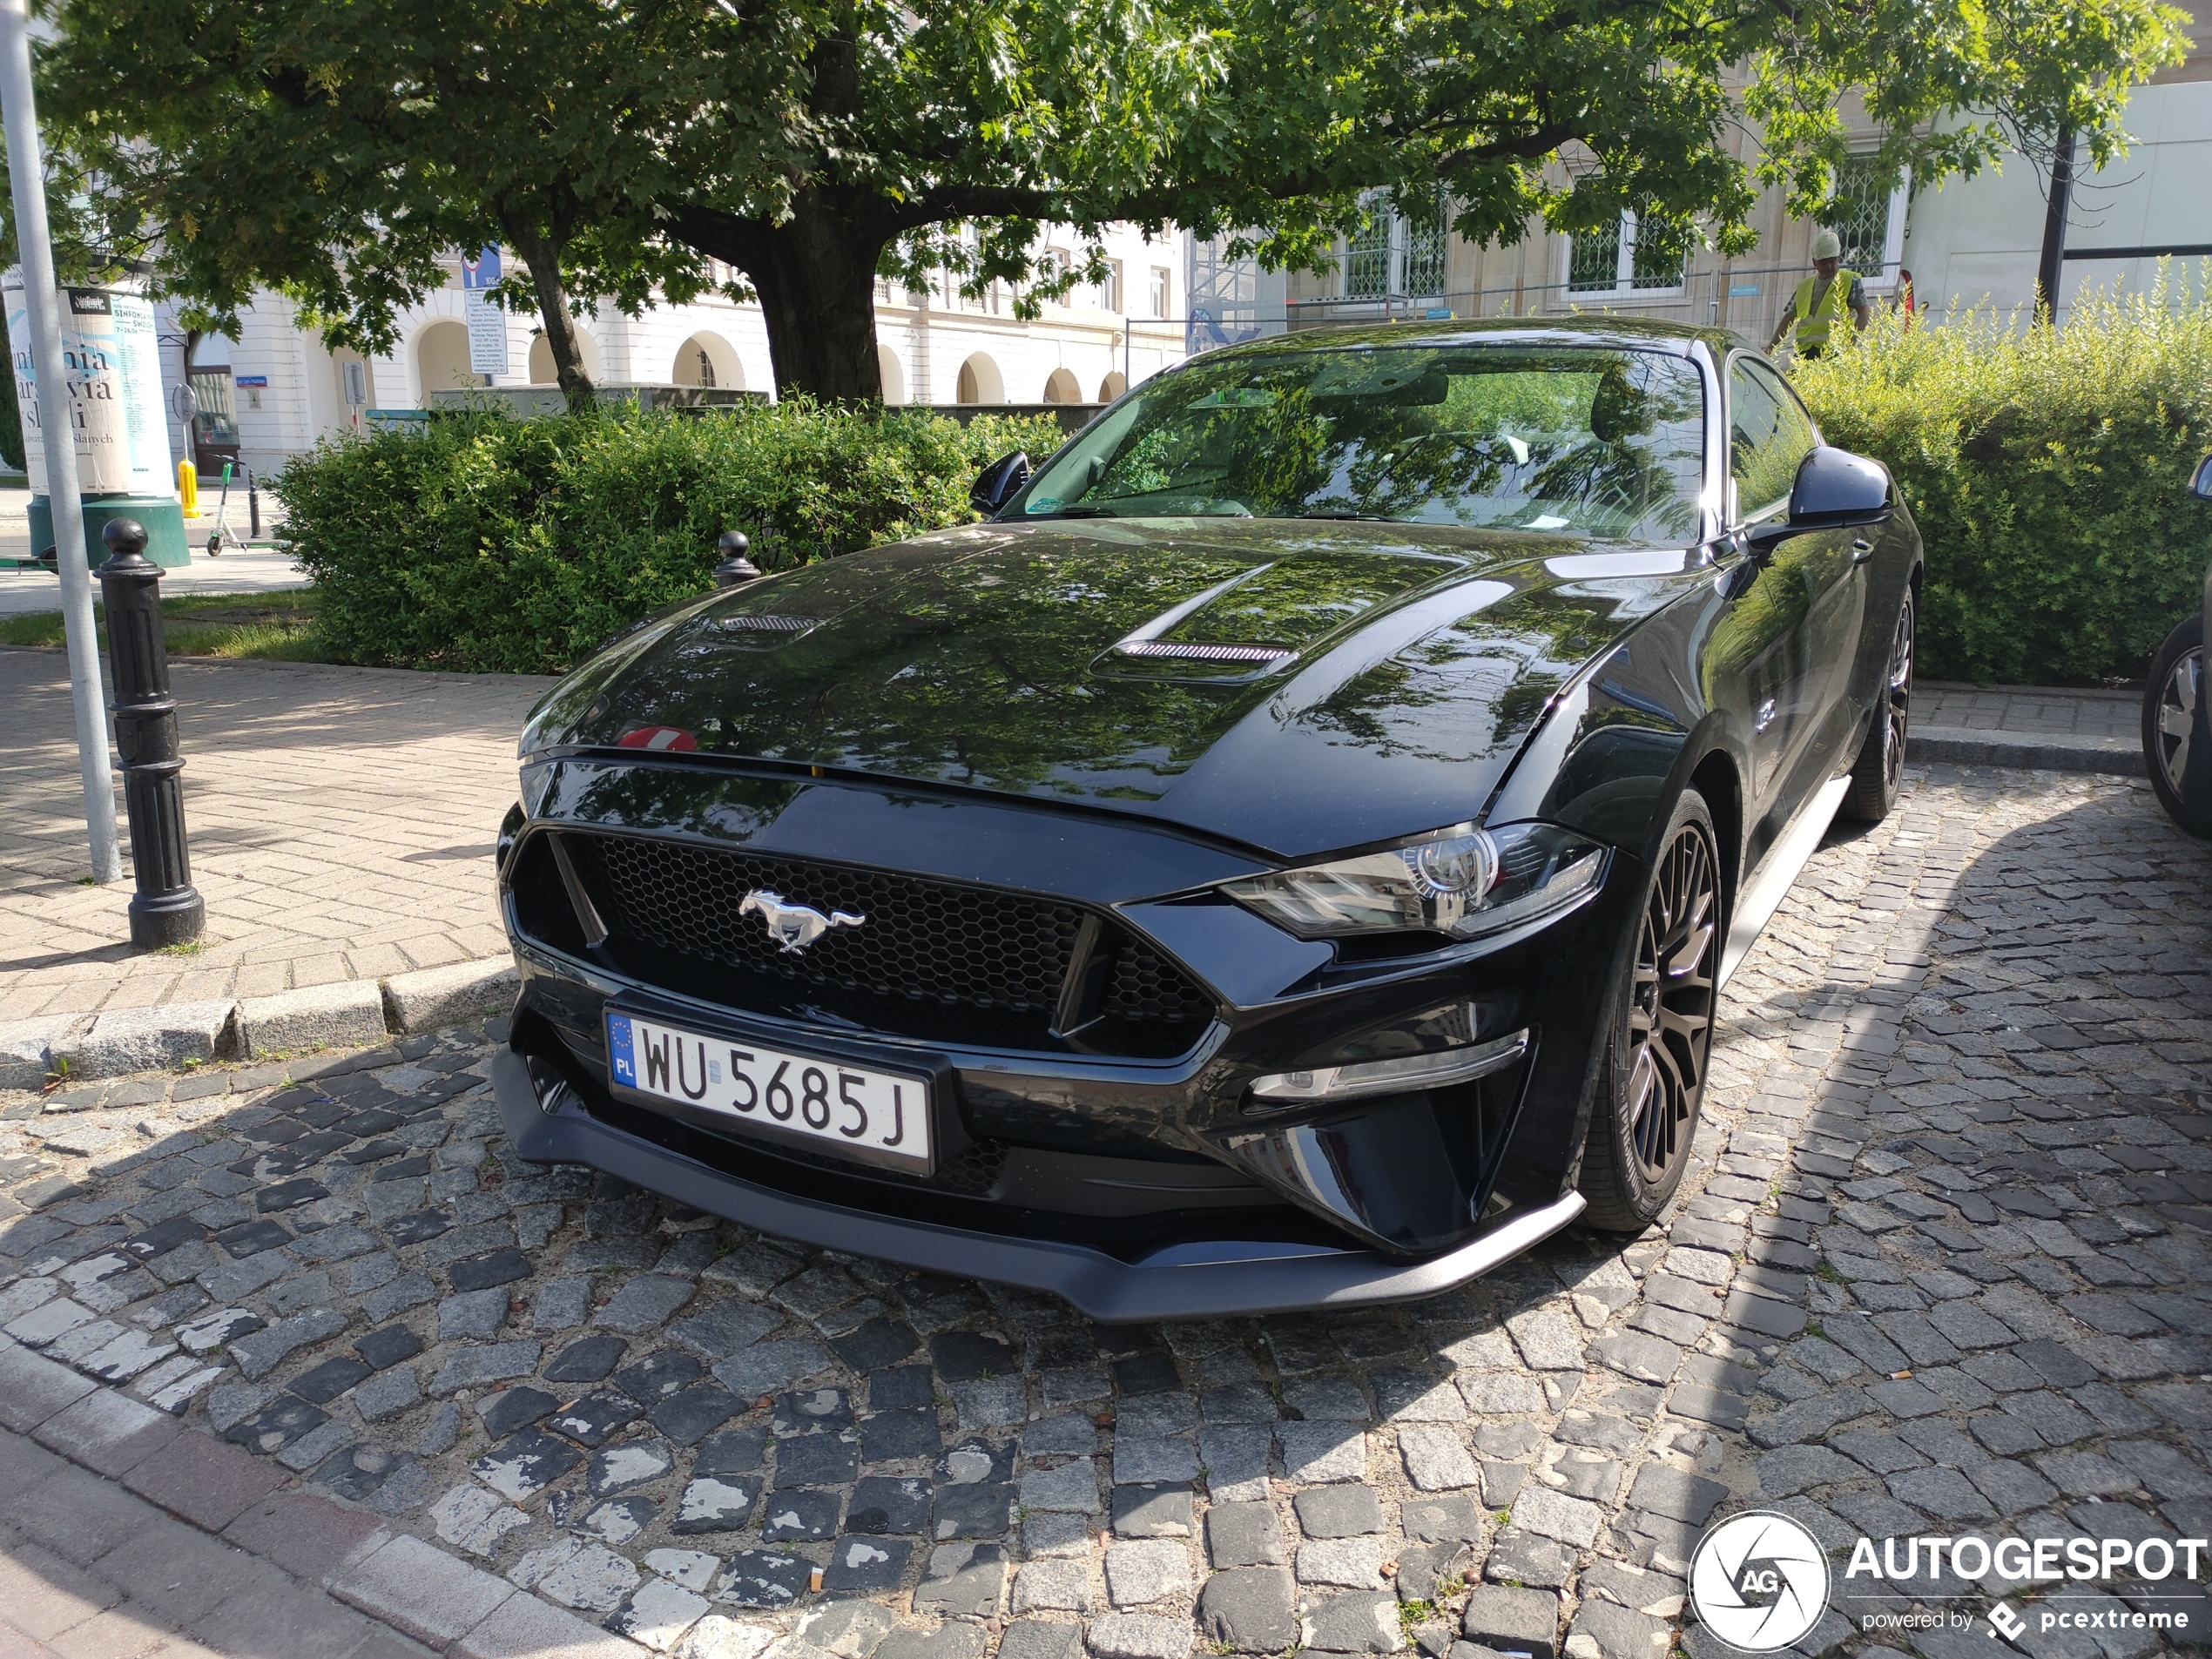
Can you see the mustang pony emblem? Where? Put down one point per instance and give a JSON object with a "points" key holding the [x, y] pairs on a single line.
{"points": [[794, 925]]}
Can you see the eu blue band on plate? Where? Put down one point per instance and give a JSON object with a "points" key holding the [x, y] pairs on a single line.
{"points": [[622, 1059]]}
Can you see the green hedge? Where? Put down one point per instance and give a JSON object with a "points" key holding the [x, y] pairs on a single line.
{"points": [[2049, 470], [485, 543]]}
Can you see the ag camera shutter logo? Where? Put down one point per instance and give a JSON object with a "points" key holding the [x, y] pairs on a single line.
{"points": [[1760, 1581]]}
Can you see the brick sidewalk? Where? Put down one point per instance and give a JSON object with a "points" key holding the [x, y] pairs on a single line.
{"points": [[2031, 710], [341, 823]]}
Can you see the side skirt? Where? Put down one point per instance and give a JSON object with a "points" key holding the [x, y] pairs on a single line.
{"points": [[1760, 901]]}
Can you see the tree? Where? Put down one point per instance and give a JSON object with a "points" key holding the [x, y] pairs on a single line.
{"points": [[339, 152], [814, 144]]}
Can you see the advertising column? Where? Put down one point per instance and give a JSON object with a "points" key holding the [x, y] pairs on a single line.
{"points": [[110, 402]]}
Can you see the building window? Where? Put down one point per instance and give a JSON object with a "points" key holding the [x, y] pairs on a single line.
{"points": [[1366, 257], [1611, 261], [1110, 291], [1396, 253], [1867, 214], [1162, 292], [706, 370]]}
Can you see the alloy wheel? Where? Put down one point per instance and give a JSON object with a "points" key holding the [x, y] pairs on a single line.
{"points": [[2177, 701], [1670, 1014], [1898, 700]]}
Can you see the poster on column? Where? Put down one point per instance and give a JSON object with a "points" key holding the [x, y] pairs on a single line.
{"points": [[112, 373], [486, 322]]}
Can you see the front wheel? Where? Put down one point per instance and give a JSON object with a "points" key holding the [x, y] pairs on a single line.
{"points": [[2176, 745], [1652, 1081], [1878, 773]]}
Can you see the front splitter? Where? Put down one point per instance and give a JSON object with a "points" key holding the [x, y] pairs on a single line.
{"points": [[1207, 1280]]}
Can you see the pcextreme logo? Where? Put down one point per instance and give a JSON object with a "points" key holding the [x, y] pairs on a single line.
{"points": [[1760, 1581]]}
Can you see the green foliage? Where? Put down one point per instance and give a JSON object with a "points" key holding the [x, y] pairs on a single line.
{"points": [[2049, 470], [485, 544], [337, 150]]}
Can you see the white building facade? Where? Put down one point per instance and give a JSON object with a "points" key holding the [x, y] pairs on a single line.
{"points": [[275, 391], [1965, 241]]}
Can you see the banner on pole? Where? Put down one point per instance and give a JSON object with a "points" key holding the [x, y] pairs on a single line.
{"points": [[111, 375]]}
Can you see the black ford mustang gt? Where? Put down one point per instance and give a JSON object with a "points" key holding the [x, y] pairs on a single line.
{"points": [[1288, 855]]}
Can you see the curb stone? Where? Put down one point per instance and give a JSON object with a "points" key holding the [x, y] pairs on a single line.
{"points": [[344, 1013], [2051, 752], [127, 1040], [431, 998]]}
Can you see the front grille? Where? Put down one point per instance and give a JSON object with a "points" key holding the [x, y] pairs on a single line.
{"points": [[671, 907], [918, 939], [1145, 987]]}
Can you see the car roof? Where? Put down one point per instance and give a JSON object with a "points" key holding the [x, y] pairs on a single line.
{"points": [[1644, 334]]}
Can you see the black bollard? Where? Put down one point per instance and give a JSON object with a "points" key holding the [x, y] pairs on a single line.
{"points": [[166, 910], [252, 507], [735, 569]]}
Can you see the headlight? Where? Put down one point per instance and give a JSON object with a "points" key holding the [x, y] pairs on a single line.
{"points": [[1462, 881]]}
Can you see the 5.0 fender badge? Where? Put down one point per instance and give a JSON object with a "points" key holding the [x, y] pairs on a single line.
{"points": [[794, 925]]}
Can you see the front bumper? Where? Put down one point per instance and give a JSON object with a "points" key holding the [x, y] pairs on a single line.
{"points": [[1214, 1279], [1130, 1170]]}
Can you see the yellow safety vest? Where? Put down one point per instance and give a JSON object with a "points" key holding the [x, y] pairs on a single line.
{"points": [[1815, 320]]}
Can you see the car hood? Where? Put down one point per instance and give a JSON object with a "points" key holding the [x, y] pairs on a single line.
{"points": [[1293, 687]]}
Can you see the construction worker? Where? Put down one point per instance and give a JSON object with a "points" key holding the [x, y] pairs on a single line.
{"points": [[1822, 299]]}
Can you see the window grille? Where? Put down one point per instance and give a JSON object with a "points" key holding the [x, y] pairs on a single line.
{"points": [[1615, 261], [1860, 213]]}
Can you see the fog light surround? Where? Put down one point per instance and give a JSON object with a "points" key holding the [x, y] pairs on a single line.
{"points": [[1398, 1075]]}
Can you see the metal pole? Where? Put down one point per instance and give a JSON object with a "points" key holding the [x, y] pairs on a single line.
{"points": [[26, 177], [166, 909]]}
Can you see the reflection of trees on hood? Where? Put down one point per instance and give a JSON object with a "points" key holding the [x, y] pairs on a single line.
{"points": [[982, 666]]}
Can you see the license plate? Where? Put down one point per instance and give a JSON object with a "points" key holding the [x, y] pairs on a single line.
{"points": [[875, 1117]]}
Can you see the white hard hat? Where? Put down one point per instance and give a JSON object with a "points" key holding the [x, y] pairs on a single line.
{"points": [[1826, 245]]}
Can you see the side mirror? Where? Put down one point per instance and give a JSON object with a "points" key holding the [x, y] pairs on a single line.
{"points": [[1835, 490], [999, 483], [2201, 486], [735, 569]]}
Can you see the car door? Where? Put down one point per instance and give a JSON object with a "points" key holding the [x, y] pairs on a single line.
{"points": [[1794, 626]]}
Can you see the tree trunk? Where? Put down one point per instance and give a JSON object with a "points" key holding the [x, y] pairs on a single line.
{"points": [[542, 255], [815, 275], [2051, 266]]}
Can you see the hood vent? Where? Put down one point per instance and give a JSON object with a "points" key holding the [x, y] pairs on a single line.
{"points": [[1204, 653], [757, 632]]}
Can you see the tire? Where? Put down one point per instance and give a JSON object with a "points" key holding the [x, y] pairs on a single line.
{"points": [[1876, 775], [1651, 1083], [2175, 741]]}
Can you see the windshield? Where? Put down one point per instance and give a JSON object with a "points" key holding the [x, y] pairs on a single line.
{"points": [[1579, 441]]}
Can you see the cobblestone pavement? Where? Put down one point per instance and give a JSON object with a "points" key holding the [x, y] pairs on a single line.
{"points": [[1940, 1267], [341, 824]]}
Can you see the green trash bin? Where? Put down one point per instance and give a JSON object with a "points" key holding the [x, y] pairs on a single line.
{"points": [[163, 515]]}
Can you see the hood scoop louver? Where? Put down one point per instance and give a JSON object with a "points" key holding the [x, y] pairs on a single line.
{"points": [[1264, 617], [1203, 653]]}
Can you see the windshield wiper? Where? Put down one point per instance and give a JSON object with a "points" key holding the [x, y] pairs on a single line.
{"points": [[1082, 512], [1371, 518]]}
